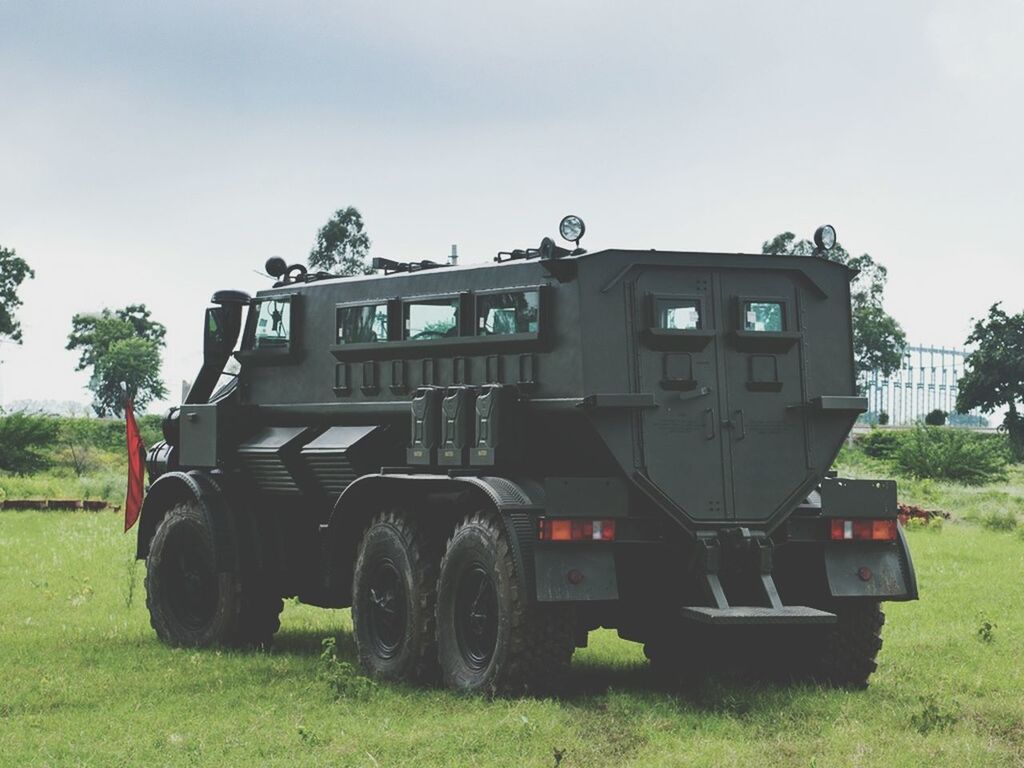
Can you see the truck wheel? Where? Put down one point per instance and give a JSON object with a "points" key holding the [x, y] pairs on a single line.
{"points": [[491, 637], [194, 602], [851, 646], [393, 595]]}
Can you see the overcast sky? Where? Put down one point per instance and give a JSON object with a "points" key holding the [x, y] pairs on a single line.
{"points": [[154, 152]]}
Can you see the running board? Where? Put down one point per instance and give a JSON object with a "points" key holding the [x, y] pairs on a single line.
{"points": [[788, 614]]}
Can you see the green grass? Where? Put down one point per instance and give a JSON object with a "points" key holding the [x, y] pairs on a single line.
{"points": [[83, 681]]}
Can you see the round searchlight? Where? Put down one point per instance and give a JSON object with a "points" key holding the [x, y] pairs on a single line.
{"points": [[572, 228], [825, 237]]}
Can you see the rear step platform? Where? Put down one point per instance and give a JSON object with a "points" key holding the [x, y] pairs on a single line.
{"points": [[787, 614]]}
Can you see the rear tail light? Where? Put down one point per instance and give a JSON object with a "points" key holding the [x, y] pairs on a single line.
{"points": [[576, 530], [841, 529]]}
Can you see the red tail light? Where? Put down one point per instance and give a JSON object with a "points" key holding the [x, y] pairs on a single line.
{"points": [[841, 529], [576, 530]]}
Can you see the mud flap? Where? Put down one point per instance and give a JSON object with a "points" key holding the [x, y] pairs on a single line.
{"points": [[571, 573], [883, 571]]}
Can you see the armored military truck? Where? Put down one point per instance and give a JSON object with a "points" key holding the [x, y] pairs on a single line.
{"points": [[487, 461]]}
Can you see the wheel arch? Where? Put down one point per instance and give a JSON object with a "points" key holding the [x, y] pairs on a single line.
{"points": [[209, 494]]}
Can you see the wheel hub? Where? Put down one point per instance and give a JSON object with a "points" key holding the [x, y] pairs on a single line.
{"points": [[476, 616], [387, 609], [190, 579]]}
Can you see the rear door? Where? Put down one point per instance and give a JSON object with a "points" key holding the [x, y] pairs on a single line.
{"points": [[680, 361], [762, 379]]}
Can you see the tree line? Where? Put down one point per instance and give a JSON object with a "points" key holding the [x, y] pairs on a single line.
{"points": [[122, 348]]}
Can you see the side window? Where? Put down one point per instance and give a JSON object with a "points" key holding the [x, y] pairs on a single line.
{"points": [[763, 316], [432, 319], [361, 325], [273, 323], [499, 314], [678, 314]]}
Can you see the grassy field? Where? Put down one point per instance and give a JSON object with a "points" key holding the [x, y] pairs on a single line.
{"points": [[83, 680]]}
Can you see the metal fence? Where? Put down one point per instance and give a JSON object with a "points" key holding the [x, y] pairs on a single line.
{"points": [[926, 381]]}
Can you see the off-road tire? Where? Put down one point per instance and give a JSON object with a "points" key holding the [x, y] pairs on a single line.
{"points": [[851, 645], [399, 544], [236, 608], [533, 642]]}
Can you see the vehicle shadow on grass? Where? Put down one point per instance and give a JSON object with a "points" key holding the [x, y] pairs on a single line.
{"points": [[590, 683], [306, 642]]}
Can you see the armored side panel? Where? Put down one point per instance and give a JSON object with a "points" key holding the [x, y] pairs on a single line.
{"points": [[200, 435]]}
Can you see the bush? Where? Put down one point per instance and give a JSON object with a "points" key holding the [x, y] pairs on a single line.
{"points": [[936, 418], [879, 443], [883, 418], [999, 520], [25, 441], [951, 454]]}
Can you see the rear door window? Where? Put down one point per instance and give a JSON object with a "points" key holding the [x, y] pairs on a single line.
{"points": [[678, 314], [763, 316]]}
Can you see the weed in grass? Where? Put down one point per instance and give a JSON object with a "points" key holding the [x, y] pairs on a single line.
{"points": [[342, 678], [308, 737], [986, 631], [933, 716], [999, 520], [919, 524], [130, 572]]}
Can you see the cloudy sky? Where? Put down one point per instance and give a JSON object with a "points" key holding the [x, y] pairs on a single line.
{"points": [[153, 152]]}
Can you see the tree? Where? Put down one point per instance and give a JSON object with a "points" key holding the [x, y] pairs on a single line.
{"points": [[25, 440], [878, 340], [994, 376], [121, 347], [13, 272], [342, 245]]}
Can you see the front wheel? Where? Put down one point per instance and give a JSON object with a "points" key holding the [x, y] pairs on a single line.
{"points": [[492, 638], [194, 598]]}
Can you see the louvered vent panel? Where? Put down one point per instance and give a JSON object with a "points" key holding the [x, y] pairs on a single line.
{"points": [[262, 459], [329, 457]]}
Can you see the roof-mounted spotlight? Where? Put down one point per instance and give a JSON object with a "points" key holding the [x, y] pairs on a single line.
{"points": [[825, 237], [572, 228]]}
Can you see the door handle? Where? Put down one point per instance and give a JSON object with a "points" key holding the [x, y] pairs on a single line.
{"points": [[709, 424], [698, 393], [740, 424]]}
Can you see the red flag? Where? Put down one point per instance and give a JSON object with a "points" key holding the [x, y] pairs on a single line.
{"points": [[136, 467]]}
